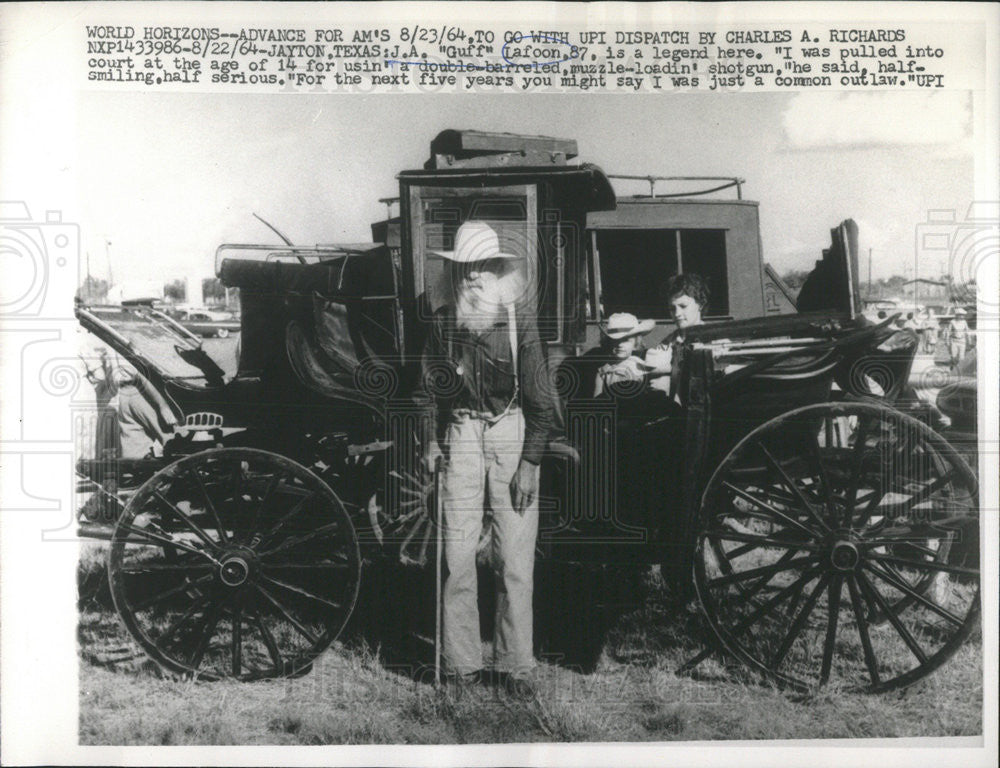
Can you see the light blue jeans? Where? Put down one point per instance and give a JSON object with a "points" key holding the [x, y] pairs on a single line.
{"points": [[475, 483]]}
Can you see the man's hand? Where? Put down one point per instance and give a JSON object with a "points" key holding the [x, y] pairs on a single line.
{"points": [[431, 454], [524, 486]]}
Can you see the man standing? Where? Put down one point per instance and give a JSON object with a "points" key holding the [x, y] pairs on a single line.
{"points": [[487, 404], [958, 336]]}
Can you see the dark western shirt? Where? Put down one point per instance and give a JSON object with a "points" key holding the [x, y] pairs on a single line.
{"points": [[466, 371]]}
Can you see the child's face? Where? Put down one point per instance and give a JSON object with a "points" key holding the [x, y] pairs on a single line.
{"points": [[624, 348], [686, 311]]}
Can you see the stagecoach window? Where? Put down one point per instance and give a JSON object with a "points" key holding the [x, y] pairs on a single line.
{"points": [[635, 265]]}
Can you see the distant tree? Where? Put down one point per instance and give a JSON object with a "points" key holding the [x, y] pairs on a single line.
{"points": [[963, 293], [213, 290], [795, 278], [894, 284], [176, 290], [93, 291]]}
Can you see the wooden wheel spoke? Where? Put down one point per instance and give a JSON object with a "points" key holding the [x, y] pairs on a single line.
{"points": [[302, 591], [788, 520], [767, 517], [412, 534], [186, 519], [142, 567], [272, 485], [236, 645], [760, 541], [904, 633], [833, 615], [908, 590], [297, 540], [764, 570], [286, 615], [791, 484], [896, 510], [932, 565], [721, 556], [161, 596], [422, 557], [873, 502], [407, 477], [909, 541], [746, 548], [307, 566], [799, 623], [740, 550], [397, 522], [299, 506], [862, 622], [768, 606], [178, 623], [816, 456], [155, 538], [207, 630], [236, 481], [857, 461], [269, 642], [223, 536], [763, 581]]}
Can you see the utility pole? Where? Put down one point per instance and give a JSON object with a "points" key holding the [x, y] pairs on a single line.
{"points": [[107, 252], [869, 271]]}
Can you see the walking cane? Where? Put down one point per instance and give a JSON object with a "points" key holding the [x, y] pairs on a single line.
{"points": [[438, 524]]}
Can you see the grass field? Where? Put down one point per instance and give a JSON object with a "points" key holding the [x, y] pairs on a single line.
{"points": [[364, 690]]}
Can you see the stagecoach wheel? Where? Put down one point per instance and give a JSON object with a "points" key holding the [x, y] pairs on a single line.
{"points": [[222, 333], [825, 548], [234, 562], [402, 517]]}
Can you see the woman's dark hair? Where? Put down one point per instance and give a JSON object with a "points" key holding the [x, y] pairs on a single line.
{"points": [[689, 284]]}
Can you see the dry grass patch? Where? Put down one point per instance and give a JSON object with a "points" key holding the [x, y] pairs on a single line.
{"points": [[353, 695]]}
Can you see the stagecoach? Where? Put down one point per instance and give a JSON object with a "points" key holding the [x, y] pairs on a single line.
{"points": [[823, 528]]}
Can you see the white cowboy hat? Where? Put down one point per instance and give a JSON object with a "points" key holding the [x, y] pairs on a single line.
{"points": [[657, 359], [622, 325], [475, 241]]}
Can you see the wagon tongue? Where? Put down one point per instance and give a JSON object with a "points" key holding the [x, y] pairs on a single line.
{"points": [[833, 283]]}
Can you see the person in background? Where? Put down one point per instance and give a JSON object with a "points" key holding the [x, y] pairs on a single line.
{"points": [[929, 323], [144, 421], [687, 295], [620, 342], [958, 336]]}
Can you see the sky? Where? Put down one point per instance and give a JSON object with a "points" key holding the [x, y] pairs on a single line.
{"points": [[166, 178]]}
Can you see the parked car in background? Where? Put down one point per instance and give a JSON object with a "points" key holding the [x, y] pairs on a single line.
{"points": [[206, 322]]}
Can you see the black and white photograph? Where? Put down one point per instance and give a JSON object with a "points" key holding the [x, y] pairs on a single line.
{"points": [[502, 416]]}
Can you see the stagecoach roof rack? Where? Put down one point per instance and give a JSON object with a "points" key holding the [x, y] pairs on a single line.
{"points": [[484, 149], [728, 182]]}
